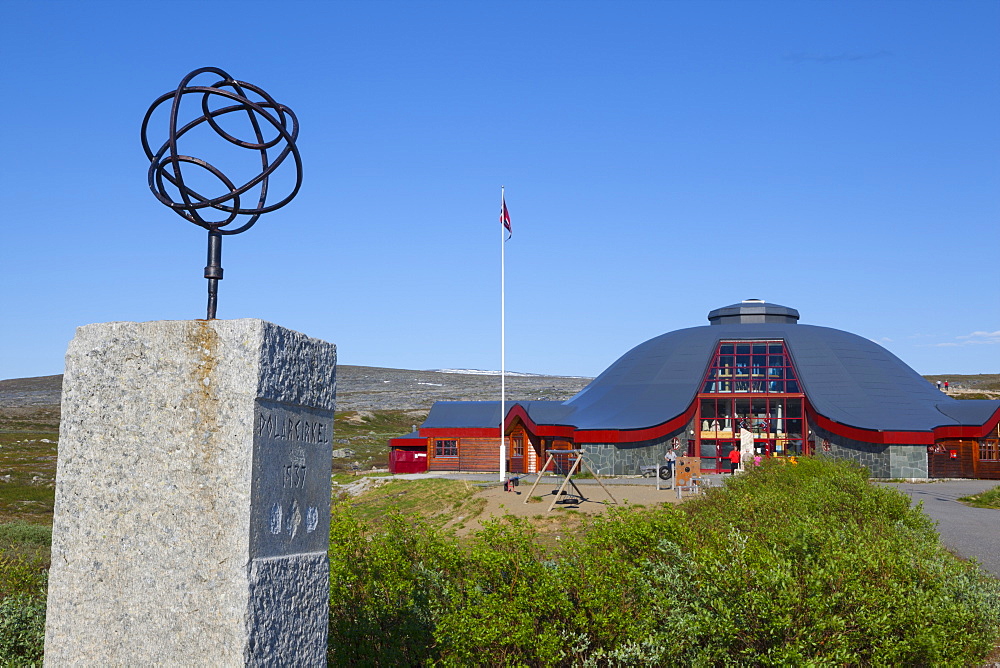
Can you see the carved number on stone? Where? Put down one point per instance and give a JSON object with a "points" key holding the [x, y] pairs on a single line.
{"points": [[294, 476]]}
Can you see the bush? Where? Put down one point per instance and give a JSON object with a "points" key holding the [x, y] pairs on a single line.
{"points": [[509, 604], [22, 533], [22, 630], [386, 582], [807, 562], [788, 564], [23, 575]]}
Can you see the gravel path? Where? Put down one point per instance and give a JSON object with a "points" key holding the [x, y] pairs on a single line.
{"points": [[968, 532]]}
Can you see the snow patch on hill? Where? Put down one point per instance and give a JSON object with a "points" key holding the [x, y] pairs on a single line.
{"points": [[485, 372]]}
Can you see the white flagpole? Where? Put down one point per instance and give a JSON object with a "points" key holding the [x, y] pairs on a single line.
{"points": [[503, 359]]}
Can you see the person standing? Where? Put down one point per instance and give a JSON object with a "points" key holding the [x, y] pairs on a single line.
{"points": [[671, 459], [734, 457], [946, 386], [939, 386]]}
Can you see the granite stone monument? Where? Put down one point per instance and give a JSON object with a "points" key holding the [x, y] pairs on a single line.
{"points": [[192, 496]]}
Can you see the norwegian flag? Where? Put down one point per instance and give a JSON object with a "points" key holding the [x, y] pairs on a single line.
{"points": [[505, 216]]}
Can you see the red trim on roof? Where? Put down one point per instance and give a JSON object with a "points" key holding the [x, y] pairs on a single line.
{"points": [[904, 437], [461, 432], [871, 435], [969, 431], [617, 436], [635, 435], [517, 412], [599, 435], [408, 443]]}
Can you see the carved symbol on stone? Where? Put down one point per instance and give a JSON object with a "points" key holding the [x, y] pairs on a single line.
{"points": [[312, 519], [294, 520], [276, 519]]}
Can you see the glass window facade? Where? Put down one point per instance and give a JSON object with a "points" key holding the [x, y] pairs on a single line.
{"points": [[744, 367], [750, 386]]}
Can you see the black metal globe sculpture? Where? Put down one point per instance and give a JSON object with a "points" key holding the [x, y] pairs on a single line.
{"points": [[273, 128]]}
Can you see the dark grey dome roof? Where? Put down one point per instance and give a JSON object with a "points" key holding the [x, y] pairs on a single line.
{"points": [[753, 311], [847, 378]]}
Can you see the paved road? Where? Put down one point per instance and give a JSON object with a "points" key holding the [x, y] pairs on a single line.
{"points": [[968, 532]]}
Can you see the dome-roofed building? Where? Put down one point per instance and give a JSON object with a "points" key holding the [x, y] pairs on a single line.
{"points": [[753, 379]]}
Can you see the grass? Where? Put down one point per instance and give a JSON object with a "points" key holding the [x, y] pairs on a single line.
{"points": [[988, 499], [367, 433], [27, 476], [28, 439], [28, 419], [439, 501], [20, 540], [451, 505]]}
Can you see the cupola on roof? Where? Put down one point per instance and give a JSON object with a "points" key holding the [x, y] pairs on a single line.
{"points": [[753, 311]]}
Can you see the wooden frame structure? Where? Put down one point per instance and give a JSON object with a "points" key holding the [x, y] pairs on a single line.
{"points": [[580, 458]]}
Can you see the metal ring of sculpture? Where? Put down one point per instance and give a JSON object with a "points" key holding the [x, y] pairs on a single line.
{"points": [[166, 162]]}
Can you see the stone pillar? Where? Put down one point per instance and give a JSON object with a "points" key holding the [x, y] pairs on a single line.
{"points": [[192, 496]]}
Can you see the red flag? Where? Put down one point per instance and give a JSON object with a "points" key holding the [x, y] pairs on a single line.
{"points": [[505, 216]]}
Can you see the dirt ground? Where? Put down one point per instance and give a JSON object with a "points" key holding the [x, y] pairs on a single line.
{"points": [[597, 501]]}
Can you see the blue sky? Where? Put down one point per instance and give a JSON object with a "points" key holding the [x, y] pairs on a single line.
{"points": [[661, 159]]}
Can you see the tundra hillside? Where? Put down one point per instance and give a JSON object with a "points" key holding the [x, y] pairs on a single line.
{"points": [[374, 405]]}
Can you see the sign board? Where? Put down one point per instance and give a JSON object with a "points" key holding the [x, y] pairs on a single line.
{"points": [[685, 469]]}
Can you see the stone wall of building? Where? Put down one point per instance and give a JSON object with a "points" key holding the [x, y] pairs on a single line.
{"points": [[908, 461], [876, 458], [611, 459], [882, 461]]}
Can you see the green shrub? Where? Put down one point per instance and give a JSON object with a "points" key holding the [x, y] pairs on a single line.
{"points": [[23, 575], [509, 603], [801, 563], [788, 564], [620, 616], [22, 630], [23, 533], [385, 584]]}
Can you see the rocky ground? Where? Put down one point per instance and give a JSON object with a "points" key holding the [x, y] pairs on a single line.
{"points": [[979, 386], [366, 388], [362, 388], [30, 403], [373, 406], [359, 388]]}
